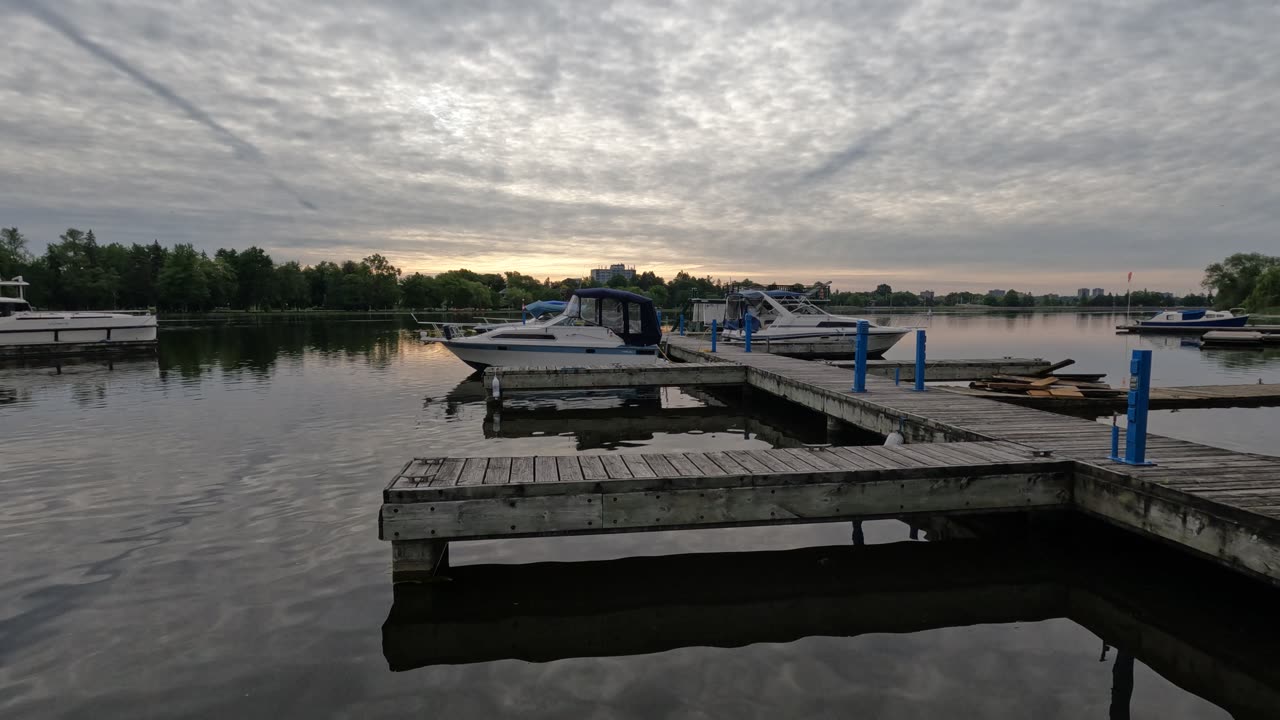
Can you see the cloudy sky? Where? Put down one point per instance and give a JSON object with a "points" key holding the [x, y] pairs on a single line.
{"points": [[938, 144]]}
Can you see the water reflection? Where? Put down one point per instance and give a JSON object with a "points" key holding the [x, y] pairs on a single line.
{"points": [[1141, 600]]}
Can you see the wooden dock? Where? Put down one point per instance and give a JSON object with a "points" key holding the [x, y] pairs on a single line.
{"points": [[436, 500], [1166, 398], [1222, 504]]}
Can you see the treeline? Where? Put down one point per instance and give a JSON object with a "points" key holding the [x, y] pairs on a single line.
{"points": [[1247, 280], [77, 272], [885, 296]]}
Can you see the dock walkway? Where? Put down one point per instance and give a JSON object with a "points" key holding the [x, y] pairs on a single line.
{"points": [[1221, 503]]}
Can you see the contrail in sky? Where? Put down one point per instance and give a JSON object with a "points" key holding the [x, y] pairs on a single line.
{"points": [[243, 148]]}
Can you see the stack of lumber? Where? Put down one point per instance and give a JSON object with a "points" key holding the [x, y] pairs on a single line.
{"points": [[1049, 383]]}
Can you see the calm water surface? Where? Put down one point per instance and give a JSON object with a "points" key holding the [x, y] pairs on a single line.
{"points": [[196, 536]]}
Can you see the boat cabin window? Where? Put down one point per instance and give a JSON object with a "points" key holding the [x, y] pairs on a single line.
{"points": [[9, 308]]}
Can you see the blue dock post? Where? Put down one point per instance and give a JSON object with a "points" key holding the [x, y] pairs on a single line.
{"points": [[1115, 439], [681, 324], [860, 358], [1135, 439], [897, 375], [713, 334], [920, 360], [746, 324], [659, 320]]}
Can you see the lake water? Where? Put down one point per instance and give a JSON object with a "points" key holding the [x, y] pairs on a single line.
{"points": [[196, 536]]}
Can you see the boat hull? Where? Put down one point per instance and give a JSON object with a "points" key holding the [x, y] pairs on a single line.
{"points": [[1239, 321], [878, 343], [104, 329], [483, 355]]}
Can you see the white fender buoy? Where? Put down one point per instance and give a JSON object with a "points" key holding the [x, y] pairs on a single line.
{"points": [[497, 388], [895, 438]]}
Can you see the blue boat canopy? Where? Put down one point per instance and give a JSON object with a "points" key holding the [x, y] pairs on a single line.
{"points": [[632, 317], [1192, 314], [541, 307]]}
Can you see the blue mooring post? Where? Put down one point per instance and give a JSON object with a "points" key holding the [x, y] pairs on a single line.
{"points": [[860, 358], [746, 324], [681, 324], [897, 375], [713, 335], [523, 313], [920, 360], [1115, 439], [1135, 439]]}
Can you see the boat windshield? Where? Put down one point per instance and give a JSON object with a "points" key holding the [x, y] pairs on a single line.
{"points": [[9, 306]]}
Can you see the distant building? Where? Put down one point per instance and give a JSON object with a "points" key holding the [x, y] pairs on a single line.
{"points": [[604, 275], [926, 296], [1051, 298], [1083, 293], [995, 294], [1098, 292]]}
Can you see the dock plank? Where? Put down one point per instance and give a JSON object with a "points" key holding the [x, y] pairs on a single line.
{"points": [[498, 472], [593, 468], [473, 471], [570, 470], [545, 469], [521, 471]]}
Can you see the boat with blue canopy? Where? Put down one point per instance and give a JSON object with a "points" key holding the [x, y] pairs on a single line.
{"points": [[598, 326], [1181, 319]]}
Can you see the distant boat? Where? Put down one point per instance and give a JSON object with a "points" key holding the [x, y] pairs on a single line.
{"points": [[792, 316], [599, 326], [22, 326], [1175, 319]]}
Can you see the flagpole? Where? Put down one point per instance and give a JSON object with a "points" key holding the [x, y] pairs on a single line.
{"points": [[1128, 297]]}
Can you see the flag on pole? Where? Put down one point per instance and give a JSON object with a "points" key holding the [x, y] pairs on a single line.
{"points": [[1130, 276]]}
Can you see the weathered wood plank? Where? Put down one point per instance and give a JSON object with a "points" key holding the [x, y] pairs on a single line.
{"points": [[638, 467], [521, 470], [498, 471], [545, 470], [615, 466], [662, 466], [473, 471], [593, 468], [569, 468], [462, 519], [450, 469], [705, 464]]}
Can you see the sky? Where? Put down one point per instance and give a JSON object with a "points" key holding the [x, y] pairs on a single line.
{"points": [[1042, 146]]}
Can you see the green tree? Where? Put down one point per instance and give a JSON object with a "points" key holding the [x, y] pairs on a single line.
{"points": [[255, 278], [292, 291], [220, 278], [384, 282], [13, 252], [1266, 291], [1233, 280], [419, 291], [657, 293], [182, 283], [618, 281]]}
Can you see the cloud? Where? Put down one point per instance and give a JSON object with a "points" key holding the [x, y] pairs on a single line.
{"points": [[998, 144], [243, 148]]}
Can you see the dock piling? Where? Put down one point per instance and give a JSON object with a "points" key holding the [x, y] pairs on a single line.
{"points": [[746, 325], [860, 358], [920, 361], [713, 334], [1135, 439], [681, 324]]}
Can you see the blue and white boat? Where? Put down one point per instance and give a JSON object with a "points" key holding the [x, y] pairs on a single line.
{"points": [[599, 326], [783, 315], [1191, 319]]}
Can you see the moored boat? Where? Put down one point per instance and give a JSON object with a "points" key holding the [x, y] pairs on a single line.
{"points": [[1177, 319], [21, 326], [599, 326], [783, 315]]}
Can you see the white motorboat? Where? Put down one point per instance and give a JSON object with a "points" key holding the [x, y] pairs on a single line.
{"points": [[538, 311], [786, 315], [599, 326], [20, 325], [1208, 319]]}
